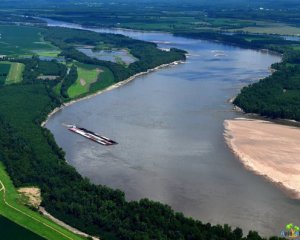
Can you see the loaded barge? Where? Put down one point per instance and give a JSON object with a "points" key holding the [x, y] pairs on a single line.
{"points": [[91, 135]]}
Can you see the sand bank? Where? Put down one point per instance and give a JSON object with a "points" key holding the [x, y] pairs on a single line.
{"points": [[269, 149]]}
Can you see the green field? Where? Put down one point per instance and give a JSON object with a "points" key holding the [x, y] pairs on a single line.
{"points": [[4, 71], [87, 77], [11, 208], [21, 40], [11, 72], [15, 73]]}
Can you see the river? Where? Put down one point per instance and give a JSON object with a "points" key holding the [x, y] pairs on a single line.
{"points": [[169, 125]]}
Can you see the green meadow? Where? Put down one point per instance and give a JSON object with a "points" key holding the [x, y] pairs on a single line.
{"points": [[11, 72], [90, 77], [15, 73]]}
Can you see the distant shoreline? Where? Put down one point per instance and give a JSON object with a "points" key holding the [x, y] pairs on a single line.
{"points": [[268, 149], [114, 86]]}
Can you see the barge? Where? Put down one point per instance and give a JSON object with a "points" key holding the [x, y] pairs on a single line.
{"points": [[91, 135]]}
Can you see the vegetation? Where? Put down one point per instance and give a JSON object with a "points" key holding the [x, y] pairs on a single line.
{"points": [[275, 43], [12, 208], [21, 40], [32, 157], [4, 70], [88, 76], [15, 73], [69, 81], [277, 96], [148, 55]]}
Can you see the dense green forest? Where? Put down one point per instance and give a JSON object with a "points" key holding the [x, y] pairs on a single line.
{"points": [[35, 68], [68, 81], [32, 157], [253, 41], [277, 96]]}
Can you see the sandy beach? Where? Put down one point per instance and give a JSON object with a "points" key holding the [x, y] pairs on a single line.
{"points": [[268, 149]]}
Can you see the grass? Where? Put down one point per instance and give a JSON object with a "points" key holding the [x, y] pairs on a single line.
{"points": [[106, 79], [89, 75], [15, 40], [15, 73], [53, 53], [11, 208]]}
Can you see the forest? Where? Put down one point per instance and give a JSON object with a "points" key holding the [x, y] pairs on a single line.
{"points": [[277, 96]]}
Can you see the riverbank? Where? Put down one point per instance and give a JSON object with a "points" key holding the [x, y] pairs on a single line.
{"points": [[64, 225], [267, 149], [114, 86]]}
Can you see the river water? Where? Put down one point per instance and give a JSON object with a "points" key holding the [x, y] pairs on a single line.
{"points": [[169, 125]]}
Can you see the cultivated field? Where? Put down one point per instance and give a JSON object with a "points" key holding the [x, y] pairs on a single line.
{"points": [[15, 40]]}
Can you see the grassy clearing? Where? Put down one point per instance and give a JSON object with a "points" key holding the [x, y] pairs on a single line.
{"points": [[88, 75], [16, 40], [106, 79], [15, 73], [53, 53], [11, 208]]}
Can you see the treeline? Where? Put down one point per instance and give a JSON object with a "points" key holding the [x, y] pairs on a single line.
{"points": [[68, 81], [253, 41], [34, 67], [148, 55], [32, 158], [277, 96]]}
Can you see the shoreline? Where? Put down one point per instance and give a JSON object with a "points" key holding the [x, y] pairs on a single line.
{"points": [[267, 149], [66, 226], [112, 87]]}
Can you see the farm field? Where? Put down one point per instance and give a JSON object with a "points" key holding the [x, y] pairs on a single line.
{"points": [[16, 40]]}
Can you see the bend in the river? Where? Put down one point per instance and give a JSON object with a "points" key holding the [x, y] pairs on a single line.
{"points": [[169, 125]]}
